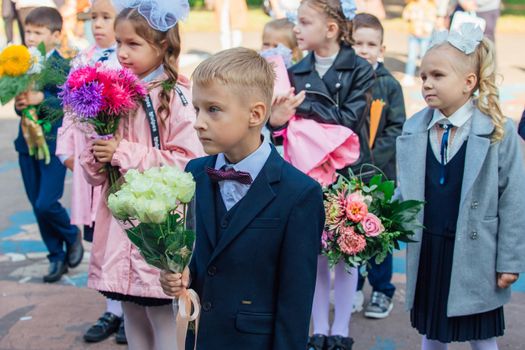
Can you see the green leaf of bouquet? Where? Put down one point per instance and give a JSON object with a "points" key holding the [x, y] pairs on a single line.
{"points": [[10, 87], [42, 49], [387, 188], [376, 180]]}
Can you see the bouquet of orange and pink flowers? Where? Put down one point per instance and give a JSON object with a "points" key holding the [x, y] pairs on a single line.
{"points": [[363, 222], [100, 96]]}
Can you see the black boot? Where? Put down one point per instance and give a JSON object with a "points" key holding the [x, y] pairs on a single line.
{"points": [[105, 326], [121, 334], [55, 272], [75, 252], [316, 342], [337, 342]]}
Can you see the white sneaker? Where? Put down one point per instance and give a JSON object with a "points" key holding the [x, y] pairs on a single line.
{"points": [[379, 307], [359, 300]]}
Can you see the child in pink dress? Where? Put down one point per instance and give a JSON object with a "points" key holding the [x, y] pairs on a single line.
{"points": [[117, 269], [71, 141], [333, 89], [316, 149]]}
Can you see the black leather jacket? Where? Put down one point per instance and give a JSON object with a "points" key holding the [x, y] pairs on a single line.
{"points": [[341, 97]]}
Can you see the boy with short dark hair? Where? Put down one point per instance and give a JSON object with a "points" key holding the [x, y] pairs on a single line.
{"points": [[387, 116], [258, 219], [44, 183]]}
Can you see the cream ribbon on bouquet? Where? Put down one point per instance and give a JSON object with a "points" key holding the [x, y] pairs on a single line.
{"points": [[183, 308]]}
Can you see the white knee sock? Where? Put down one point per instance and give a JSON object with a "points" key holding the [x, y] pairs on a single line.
{"points": [[427, 344], [162, 320], [321, 305], [138, 328], [114, 307], [345, 285], [487, 344]]}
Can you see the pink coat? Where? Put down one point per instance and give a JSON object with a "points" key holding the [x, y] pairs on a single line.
{"points": [[116, 265], [71, 142]]}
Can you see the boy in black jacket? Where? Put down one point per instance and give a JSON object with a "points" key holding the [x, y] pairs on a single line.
{"points": [[387, 115], [44, 178]]}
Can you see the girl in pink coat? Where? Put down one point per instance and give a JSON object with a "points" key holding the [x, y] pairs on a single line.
{"points": [[72, 139], [150, 49]]}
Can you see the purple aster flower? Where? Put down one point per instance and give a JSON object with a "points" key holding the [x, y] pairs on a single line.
{"points": [[86, 101]]}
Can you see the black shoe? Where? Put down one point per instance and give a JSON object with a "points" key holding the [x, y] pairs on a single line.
{"points": [[75, 252], [121, 334], [56, 270], [337, 342], [105, 326], [316, 342]]}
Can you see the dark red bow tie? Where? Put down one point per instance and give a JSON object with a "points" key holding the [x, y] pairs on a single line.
{"points": [[217, 175]]}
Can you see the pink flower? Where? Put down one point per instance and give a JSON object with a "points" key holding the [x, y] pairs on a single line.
{"points": [[356, 196], [356, 211], [350, 242], [372, 225]]}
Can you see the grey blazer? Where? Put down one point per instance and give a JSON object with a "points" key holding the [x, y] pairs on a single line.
{"points": [[490, 233]]}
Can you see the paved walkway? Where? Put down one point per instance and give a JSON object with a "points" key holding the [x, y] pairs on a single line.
{"points": [[38, 316]]}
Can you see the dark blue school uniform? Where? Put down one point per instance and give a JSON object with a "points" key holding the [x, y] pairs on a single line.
{"points": [[44, 184], [429, 314], [254, 265]]}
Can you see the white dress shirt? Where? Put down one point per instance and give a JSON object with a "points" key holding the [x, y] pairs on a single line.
{"points": [[233, 191], [461, 119]]}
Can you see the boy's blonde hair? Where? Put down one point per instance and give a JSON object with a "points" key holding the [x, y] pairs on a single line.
{"points": [[240, 69], [483, 63]]}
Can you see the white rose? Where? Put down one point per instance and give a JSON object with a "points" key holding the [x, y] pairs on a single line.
{"points": [[185, 188], [152, 211]]}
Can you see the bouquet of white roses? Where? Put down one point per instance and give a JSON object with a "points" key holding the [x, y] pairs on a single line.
{"points": [[153, 207]]}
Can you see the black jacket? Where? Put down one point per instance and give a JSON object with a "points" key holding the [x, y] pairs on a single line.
{"points": [[393, 116], [341, 97]]}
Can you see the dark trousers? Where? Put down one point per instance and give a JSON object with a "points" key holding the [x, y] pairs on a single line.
{"points": [[379, 277], [44, 185]]}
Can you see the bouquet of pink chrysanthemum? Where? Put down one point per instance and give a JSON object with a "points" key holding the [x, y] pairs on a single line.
{"points": [[100, 96], [363, 222]]}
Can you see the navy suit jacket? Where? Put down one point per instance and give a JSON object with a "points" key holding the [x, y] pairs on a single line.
{"points": [[52, 101], [256, 284]]}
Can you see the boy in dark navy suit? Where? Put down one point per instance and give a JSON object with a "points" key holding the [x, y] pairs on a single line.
{"points": [[44, 182], [258, 219]]}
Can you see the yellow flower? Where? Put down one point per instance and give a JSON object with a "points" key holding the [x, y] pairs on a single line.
{"points": [[1, 71], [15, 60]]}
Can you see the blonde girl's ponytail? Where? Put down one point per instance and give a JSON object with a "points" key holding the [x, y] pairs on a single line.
{"points": [[170, 64], [488, 94]]}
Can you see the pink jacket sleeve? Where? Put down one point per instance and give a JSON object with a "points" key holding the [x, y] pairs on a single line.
{"points": [[65, 138], [179, 143], [93, 170]]}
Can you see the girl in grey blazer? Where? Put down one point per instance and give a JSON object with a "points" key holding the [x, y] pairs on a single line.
{"points": [[462, 157]]}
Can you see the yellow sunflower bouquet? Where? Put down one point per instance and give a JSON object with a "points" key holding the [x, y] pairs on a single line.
{"points": [[23, 69]]}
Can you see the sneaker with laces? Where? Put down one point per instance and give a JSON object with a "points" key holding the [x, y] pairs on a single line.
{"points": [[359, 300], [380, 306]]}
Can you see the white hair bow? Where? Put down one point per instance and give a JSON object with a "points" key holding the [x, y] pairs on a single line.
{"points": [[160, 14], [466, 39]]}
